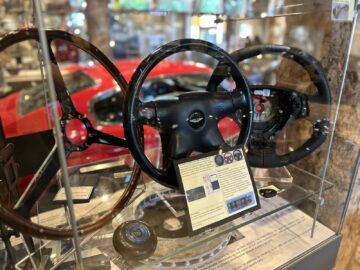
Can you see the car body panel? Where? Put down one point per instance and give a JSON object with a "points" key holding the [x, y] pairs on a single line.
{"points": [[37, 120]]}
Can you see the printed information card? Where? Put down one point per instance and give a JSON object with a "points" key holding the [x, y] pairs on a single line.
{"points": [[79, 194], [218, 187]]}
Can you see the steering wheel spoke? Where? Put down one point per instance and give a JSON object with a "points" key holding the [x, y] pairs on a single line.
{"points": [[262, 153], [213, 138], [147, 114], [66, 104], [96, 136], [175, 145]]}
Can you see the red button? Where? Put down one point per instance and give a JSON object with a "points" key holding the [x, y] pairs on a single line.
{"points": [[259, 108]]}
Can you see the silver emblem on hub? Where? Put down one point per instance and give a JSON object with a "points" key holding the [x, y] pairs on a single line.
{"points": [[196, 119]]}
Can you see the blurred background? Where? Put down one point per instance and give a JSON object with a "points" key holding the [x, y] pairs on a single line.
{"points": [[133, 29]]}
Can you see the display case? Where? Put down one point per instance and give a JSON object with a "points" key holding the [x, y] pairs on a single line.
{"points": [[72, 180]]}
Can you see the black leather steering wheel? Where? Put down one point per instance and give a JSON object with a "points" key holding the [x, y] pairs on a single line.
{"points": [[188, 123], [274, 106]]}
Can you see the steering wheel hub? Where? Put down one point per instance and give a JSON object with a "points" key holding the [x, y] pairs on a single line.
{"points": [[76, 131], [196, 119]]}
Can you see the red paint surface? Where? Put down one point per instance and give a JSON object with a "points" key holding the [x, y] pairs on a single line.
{"points": [[15, 124]]}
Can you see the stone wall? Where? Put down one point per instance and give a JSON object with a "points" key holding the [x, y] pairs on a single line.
{"points": [[346, 142]]}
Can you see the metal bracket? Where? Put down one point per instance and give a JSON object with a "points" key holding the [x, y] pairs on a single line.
{"points": [[317, 200]]}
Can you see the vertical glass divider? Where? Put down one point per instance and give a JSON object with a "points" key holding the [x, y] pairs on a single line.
{"points": [[59, 141], [338, 103]]}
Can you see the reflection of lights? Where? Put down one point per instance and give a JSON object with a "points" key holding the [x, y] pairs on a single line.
{"points": [[91, 63], [194, 31], [219, 33], [119, 218], [259, 56], [158, 13], [112, 43], [26, 97], [245, 30], [53, 256], [69, 23], [212, 31], [84, 4], [200, 65], [77, 31], [104, 198], [117, 88], [73, 134], [263, 14], [207, 21], [77, 19], [233, 3]]}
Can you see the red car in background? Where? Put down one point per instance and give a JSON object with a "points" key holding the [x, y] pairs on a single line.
{"points": [[96, 95]]}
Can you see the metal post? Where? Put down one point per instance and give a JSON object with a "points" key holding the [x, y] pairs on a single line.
{"points": [[59, 141], [350, 190], [338, 103]]}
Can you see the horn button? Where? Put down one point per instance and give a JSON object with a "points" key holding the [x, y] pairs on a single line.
{"points": [[196, 119]]}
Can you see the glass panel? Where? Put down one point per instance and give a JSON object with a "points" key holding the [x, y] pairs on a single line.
{"points": [[126, 32], [183, 248]]}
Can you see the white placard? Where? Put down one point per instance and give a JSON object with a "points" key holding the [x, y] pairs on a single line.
{"points": [[218, 187], [79, 194]]}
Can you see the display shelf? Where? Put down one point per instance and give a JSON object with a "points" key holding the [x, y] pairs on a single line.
{"points": [[264, 9], [233, 10], [108, 179], [291, 195], [98, 247]]}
